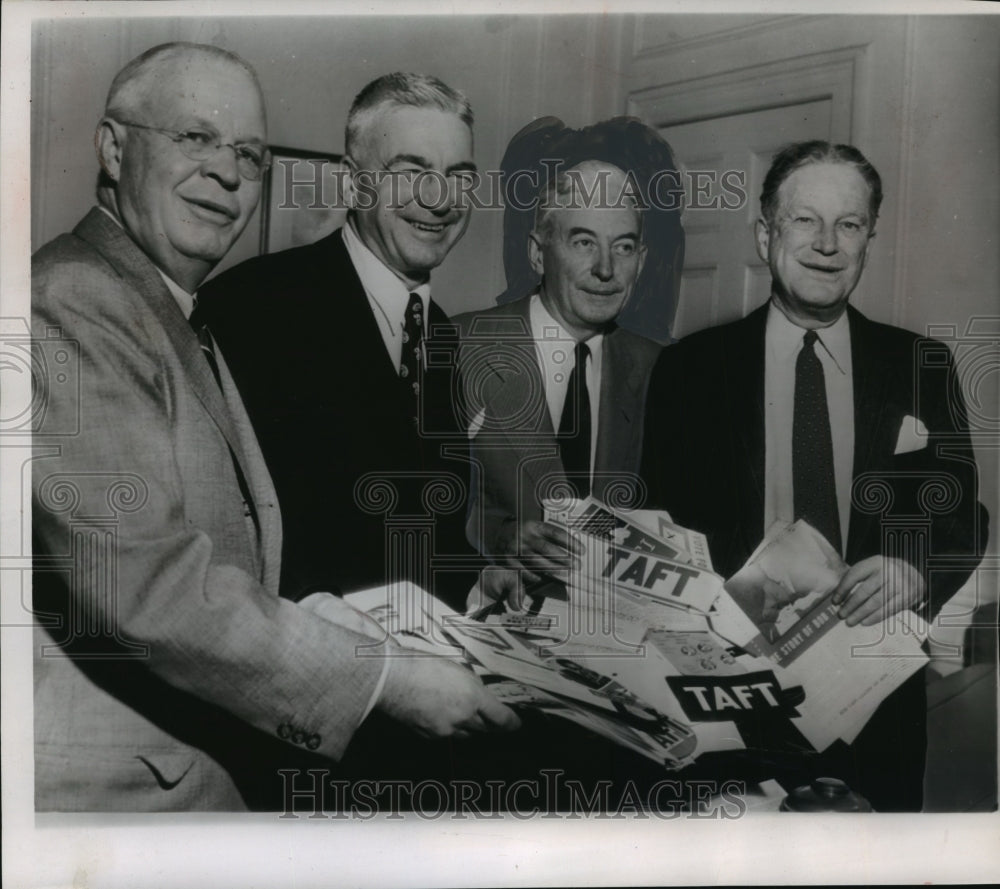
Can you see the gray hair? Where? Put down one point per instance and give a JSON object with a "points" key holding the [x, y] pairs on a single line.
{"points": [[565, 190], [131, 84], [402, 89]]}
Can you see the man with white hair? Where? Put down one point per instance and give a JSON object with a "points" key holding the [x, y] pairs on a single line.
{"points": [[164, 657]]}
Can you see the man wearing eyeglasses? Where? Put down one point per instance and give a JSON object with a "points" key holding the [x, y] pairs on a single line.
{"points": [[168, 671], [336, 348]]}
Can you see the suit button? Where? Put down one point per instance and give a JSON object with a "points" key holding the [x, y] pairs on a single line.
{"points": [[284, 731], [313, 742], [299, 737]]}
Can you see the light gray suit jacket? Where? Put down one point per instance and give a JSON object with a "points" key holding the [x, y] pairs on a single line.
{"points": [[514, 450], [163, 654]]}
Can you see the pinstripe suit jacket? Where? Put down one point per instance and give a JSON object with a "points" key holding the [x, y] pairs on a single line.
{"points": [[163, 656]]}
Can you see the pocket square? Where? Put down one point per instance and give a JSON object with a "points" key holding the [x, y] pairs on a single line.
{"points": [[912, 435]]}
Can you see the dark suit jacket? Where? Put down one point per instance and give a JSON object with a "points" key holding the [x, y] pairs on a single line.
{"points": [[703, 460], [143, 537], [350, 468], [515, 447]]}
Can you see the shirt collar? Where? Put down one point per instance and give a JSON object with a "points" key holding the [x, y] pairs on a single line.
{"points": [[785, 338], [184, 299], [542, 320], [377, 278]]}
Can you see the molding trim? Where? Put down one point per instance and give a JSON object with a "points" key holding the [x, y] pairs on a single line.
{"points": [[900, 277], [832, 75], [641, 53]]}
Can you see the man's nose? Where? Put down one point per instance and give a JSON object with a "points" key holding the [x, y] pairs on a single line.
{"points": [[434, 192], [222, 165], [604, 265], [825, 240]]}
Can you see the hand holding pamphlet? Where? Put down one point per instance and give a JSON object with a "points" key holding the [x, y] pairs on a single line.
{"points": [[645, 645]]}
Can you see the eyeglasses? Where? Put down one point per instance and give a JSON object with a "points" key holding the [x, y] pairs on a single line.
{"points": [[252, 159]]}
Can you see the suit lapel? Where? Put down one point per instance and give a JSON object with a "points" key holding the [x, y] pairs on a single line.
{"points": [[520, 392], [870, 388], [743, 355], [131, 263], [621, 385]]}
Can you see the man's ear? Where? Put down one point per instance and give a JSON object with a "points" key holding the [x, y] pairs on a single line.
{"points": [[641, 255], [867, 250], [535, 256], [762, 235], [350, 192], [109, 140]]}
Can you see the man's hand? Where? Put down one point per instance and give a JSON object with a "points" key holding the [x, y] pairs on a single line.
{"points": [[439, 699], [877, 587], [540, 549], [496, 584]]}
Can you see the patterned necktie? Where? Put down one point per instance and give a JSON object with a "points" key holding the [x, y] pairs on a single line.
{"points": [[409, 363], [200, 327], [813, 483], [574, 425]]}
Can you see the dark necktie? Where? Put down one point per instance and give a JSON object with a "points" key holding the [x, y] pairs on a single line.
{"points": [[409, 362], [813, 483], [574, 425], [200, 327]]}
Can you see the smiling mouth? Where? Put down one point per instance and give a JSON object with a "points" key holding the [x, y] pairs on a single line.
{"points": [[212, 209], [432, 229], [826, 269]]}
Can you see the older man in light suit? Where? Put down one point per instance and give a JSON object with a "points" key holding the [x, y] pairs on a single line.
{"points": [[165, 661]]}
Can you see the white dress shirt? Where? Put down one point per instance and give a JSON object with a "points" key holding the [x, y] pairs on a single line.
{"points": [[782, 344], [387, 295], [554, 347]]}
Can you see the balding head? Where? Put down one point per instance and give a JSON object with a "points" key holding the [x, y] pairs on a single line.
{"points": [[134, 86], [184, 124]]}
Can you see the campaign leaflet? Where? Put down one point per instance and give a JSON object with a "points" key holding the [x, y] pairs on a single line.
{"points": [[621, 555], [658, 523], [652, 735], [593, 518], [779, 606]]}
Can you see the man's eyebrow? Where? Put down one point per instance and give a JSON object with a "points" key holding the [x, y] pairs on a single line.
{"points": [[423, 162], [582, 230], [202, 123], [414, 159]]}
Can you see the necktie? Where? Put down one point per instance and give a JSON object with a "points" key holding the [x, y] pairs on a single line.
{"points": [[200, 327], [813, 484], [409, 363], [574, 425]]}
